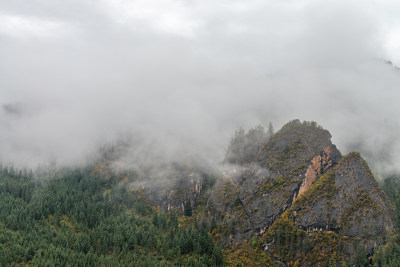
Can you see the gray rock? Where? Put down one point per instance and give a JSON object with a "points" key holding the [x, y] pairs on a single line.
{"points": [[300, 171], [251, 196], [347, 200]]}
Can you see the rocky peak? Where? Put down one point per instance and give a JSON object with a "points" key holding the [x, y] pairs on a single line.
{"points": [[298, 171], [252, 195]]}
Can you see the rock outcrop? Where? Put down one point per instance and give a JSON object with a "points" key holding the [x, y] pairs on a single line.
{"points": [[170, 187], [298, 171], [251, 196], [347, 200], [319, 165]]}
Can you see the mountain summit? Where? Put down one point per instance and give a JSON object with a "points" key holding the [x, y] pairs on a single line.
{"points": [[296, 181]]}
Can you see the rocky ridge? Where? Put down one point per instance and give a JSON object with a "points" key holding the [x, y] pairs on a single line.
{"points": [[299, 174]]}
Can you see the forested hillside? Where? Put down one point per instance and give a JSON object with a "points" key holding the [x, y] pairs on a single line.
{"points": [[283, 199], [76, 218]]}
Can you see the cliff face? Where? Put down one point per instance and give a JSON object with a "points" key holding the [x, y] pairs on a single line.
{"points": [[170, 187], [251, 196], [346, 200], [300, 173], [319, 165]]}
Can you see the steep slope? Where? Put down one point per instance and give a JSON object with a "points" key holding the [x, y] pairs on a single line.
{"points": [[348, 201], [251, 196], [170, 187], [299, 179]]}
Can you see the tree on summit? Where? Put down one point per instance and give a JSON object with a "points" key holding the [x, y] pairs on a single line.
{"points": [[270, 131]]}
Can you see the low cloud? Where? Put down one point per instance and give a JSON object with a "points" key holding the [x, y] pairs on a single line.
{"points": [[178, 77]]}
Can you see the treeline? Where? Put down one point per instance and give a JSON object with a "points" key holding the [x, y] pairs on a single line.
{"points": [[244, 146], [80, 219]]}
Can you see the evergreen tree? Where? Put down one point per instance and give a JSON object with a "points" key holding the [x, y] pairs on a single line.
{"points": [[188, 208], [270, 131]]}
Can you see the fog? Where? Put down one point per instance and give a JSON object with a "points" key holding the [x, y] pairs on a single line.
{"points": [[176, 78]]}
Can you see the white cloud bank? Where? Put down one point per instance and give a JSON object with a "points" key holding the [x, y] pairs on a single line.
{"points": [[183, 75]]}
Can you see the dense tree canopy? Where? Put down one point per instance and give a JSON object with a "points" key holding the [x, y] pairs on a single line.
{"points": [[76, 218]]}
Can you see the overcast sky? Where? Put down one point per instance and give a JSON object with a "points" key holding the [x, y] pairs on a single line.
{"points": [[182, 75]]}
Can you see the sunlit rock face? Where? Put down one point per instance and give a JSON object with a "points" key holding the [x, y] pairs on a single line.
{"points": [[319, 165]]}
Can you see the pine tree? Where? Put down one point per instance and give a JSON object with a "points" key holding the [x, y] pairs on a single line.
{"points": [[270, 131], [213, 224], [188, 208]]}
